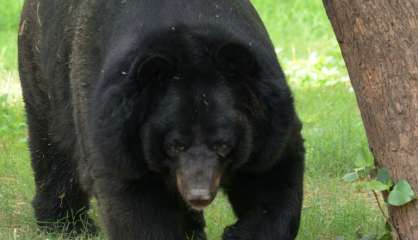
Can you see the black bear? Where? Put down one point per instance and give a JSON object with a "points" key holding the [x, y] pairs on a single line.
{"points": [[151, 107]]}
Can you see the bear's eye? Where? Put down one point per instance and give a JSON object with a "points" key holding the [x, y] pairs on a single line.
{"points": [[173, 150], [222, 149]]}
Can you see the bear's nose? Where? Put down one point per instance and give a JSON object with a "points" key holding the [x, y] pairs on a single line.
{"points": [[199, 198]]}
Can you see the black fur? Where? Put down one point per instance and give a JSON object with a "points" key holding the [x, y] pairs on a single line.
{"points": [[139, 103]]}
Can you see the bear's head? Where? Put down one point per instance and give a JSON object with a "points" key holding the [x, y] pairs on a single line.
{"points": [[194, 112], [201, 123]]}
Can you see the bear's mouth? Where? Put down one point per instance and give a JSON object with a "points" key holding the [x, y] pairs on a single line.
{"points": [[198, 195], [202, 200]]}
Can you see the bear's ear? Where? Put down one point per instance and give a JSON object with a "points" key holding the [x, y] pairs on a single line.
{"points": [[155, 67], [235, 59]]}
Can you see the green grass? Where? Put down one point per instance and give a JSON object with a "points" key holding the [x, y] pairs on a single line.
{"points": [[326, 104], [9, 21], [298, 27]]}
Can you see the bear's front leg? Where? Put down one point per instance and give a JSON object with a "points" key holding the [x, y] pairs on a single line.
{"points": [[145, 210], [268, 205]]}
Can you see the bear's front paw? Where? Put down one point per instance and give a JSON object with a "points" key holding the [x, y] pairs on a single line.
{"points": [[236, 233]]}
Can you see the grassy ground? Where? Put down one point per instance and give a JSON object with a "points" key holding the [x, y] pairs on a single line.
{"points": [[333, 130]]}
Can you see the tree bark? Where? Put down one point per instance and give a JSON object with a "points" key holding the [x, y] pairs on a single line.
{"points": [[379, 42]]}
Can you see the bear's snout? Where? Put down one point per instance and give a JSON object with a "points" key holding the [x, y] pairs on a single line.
{"points": [[198, 177], [199, 198]]}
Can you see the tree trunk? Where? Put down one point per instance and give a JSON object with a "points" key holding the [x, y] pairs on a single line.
{"points": [[379, 42]]}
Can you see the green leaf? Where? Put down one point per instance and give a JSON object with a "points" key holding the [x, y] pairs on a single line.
{"points": [[372, 185], [351, 177], [383, 176], [378, 186], [401, 194]]}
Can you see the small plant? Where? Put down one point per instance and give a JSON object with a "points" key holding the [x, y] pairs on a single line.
{"points": [[368, 177], [379, 180]]}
